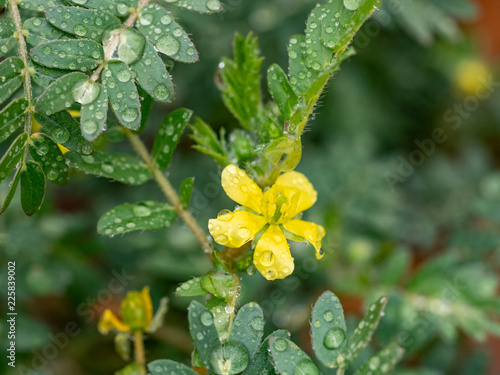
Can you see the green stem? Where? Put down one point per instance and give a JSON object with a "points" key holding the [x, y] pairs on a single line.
{"points": [[340, 371], [139, 353], [23, 54], [170, 193]]}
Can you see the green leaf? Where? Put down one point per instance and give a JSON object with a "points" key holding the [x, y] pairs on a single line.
{"points": [[7, 40], [12, 156], [328, 329], [240, 84], [341, 24], [39, 5], [281, 91], [150, 72], [64, 129], [363, 333], [44, 76], [12, 191], [318, 56], [248, 328], [32, 188], [262, 362], [230, 358], [168, 136], [284, 152], [185, 192], [168, 367], [12, 117], [202, 6], [60, 94], [383, 362], [203, 331], [122, 94], [117, 7], [116, 166], [207, 142], [190, 288], [93, 114], [171, 39], [48, 154], [10, 77], [127, 42], [41, 31], [301, 77], [74, 54], [125, 218], [85, 23], [290, 359]]}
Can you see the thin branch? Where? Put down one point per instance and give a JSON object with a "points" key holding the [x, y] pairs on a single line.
{"points": [[23, 54], [170, 193], [139, 353]]}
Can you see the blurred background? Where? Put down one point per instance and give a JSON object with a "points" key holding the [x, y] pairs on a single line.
{"points": [[403, 151]]}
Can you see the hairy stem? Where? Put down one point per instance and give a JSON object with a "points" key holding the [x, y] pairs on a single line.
{"points": [[23, 54], [139, 354], [170, 193], [113, 42]]}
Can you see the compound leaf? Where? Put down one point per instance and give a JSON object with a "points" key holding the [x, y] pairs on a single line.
{"points": [[12, 156], [127, 217], [10, 77], [49, 156], [61, 94], [12, 117]]}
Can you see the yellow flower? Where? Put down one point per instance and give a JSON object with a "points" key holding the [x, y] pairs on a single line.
{"points": [[272, 215], [136, 311]]}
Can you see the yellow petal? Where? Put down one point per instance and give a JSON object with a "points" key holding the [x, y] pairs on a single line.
{"points": [[272, 254], [235, 229], [240, 188], [110, 321], [62, 148], [313, 233], [148, 304], [300, 182]]}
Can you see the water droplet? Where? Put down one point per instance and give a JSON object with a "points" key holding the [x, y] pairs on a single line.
{"points": [[161, 92], [108, 168], [267, 258], [328, 315], [306, 366], [213, 5], [374, 363], [85, 92], [168, 45], [123, 75], [52, 174], [89, 127], [353, 4], [207, 319], [141, 211], [60, 135], [129, 114], [80, 30], [257, 323], [280, 344], [334, 338], [225, 215]]}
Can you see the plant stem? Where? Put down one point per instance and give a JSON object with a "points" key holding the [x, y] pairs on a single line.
{"points": [[23, 54], [140, 357], [170, 193], [340, 371]]}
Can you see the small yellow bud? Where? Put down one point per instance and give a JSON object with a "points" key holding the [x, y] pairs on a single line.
{"points": [[137, 310]]}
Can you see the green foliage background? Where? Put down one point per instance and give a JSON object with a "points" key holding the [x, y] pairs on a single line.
{"points": [[431, 243]]}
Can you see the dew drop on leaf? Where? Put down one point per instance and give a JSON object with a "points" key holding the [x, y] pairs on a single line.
{"points": [[334, 338]]}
